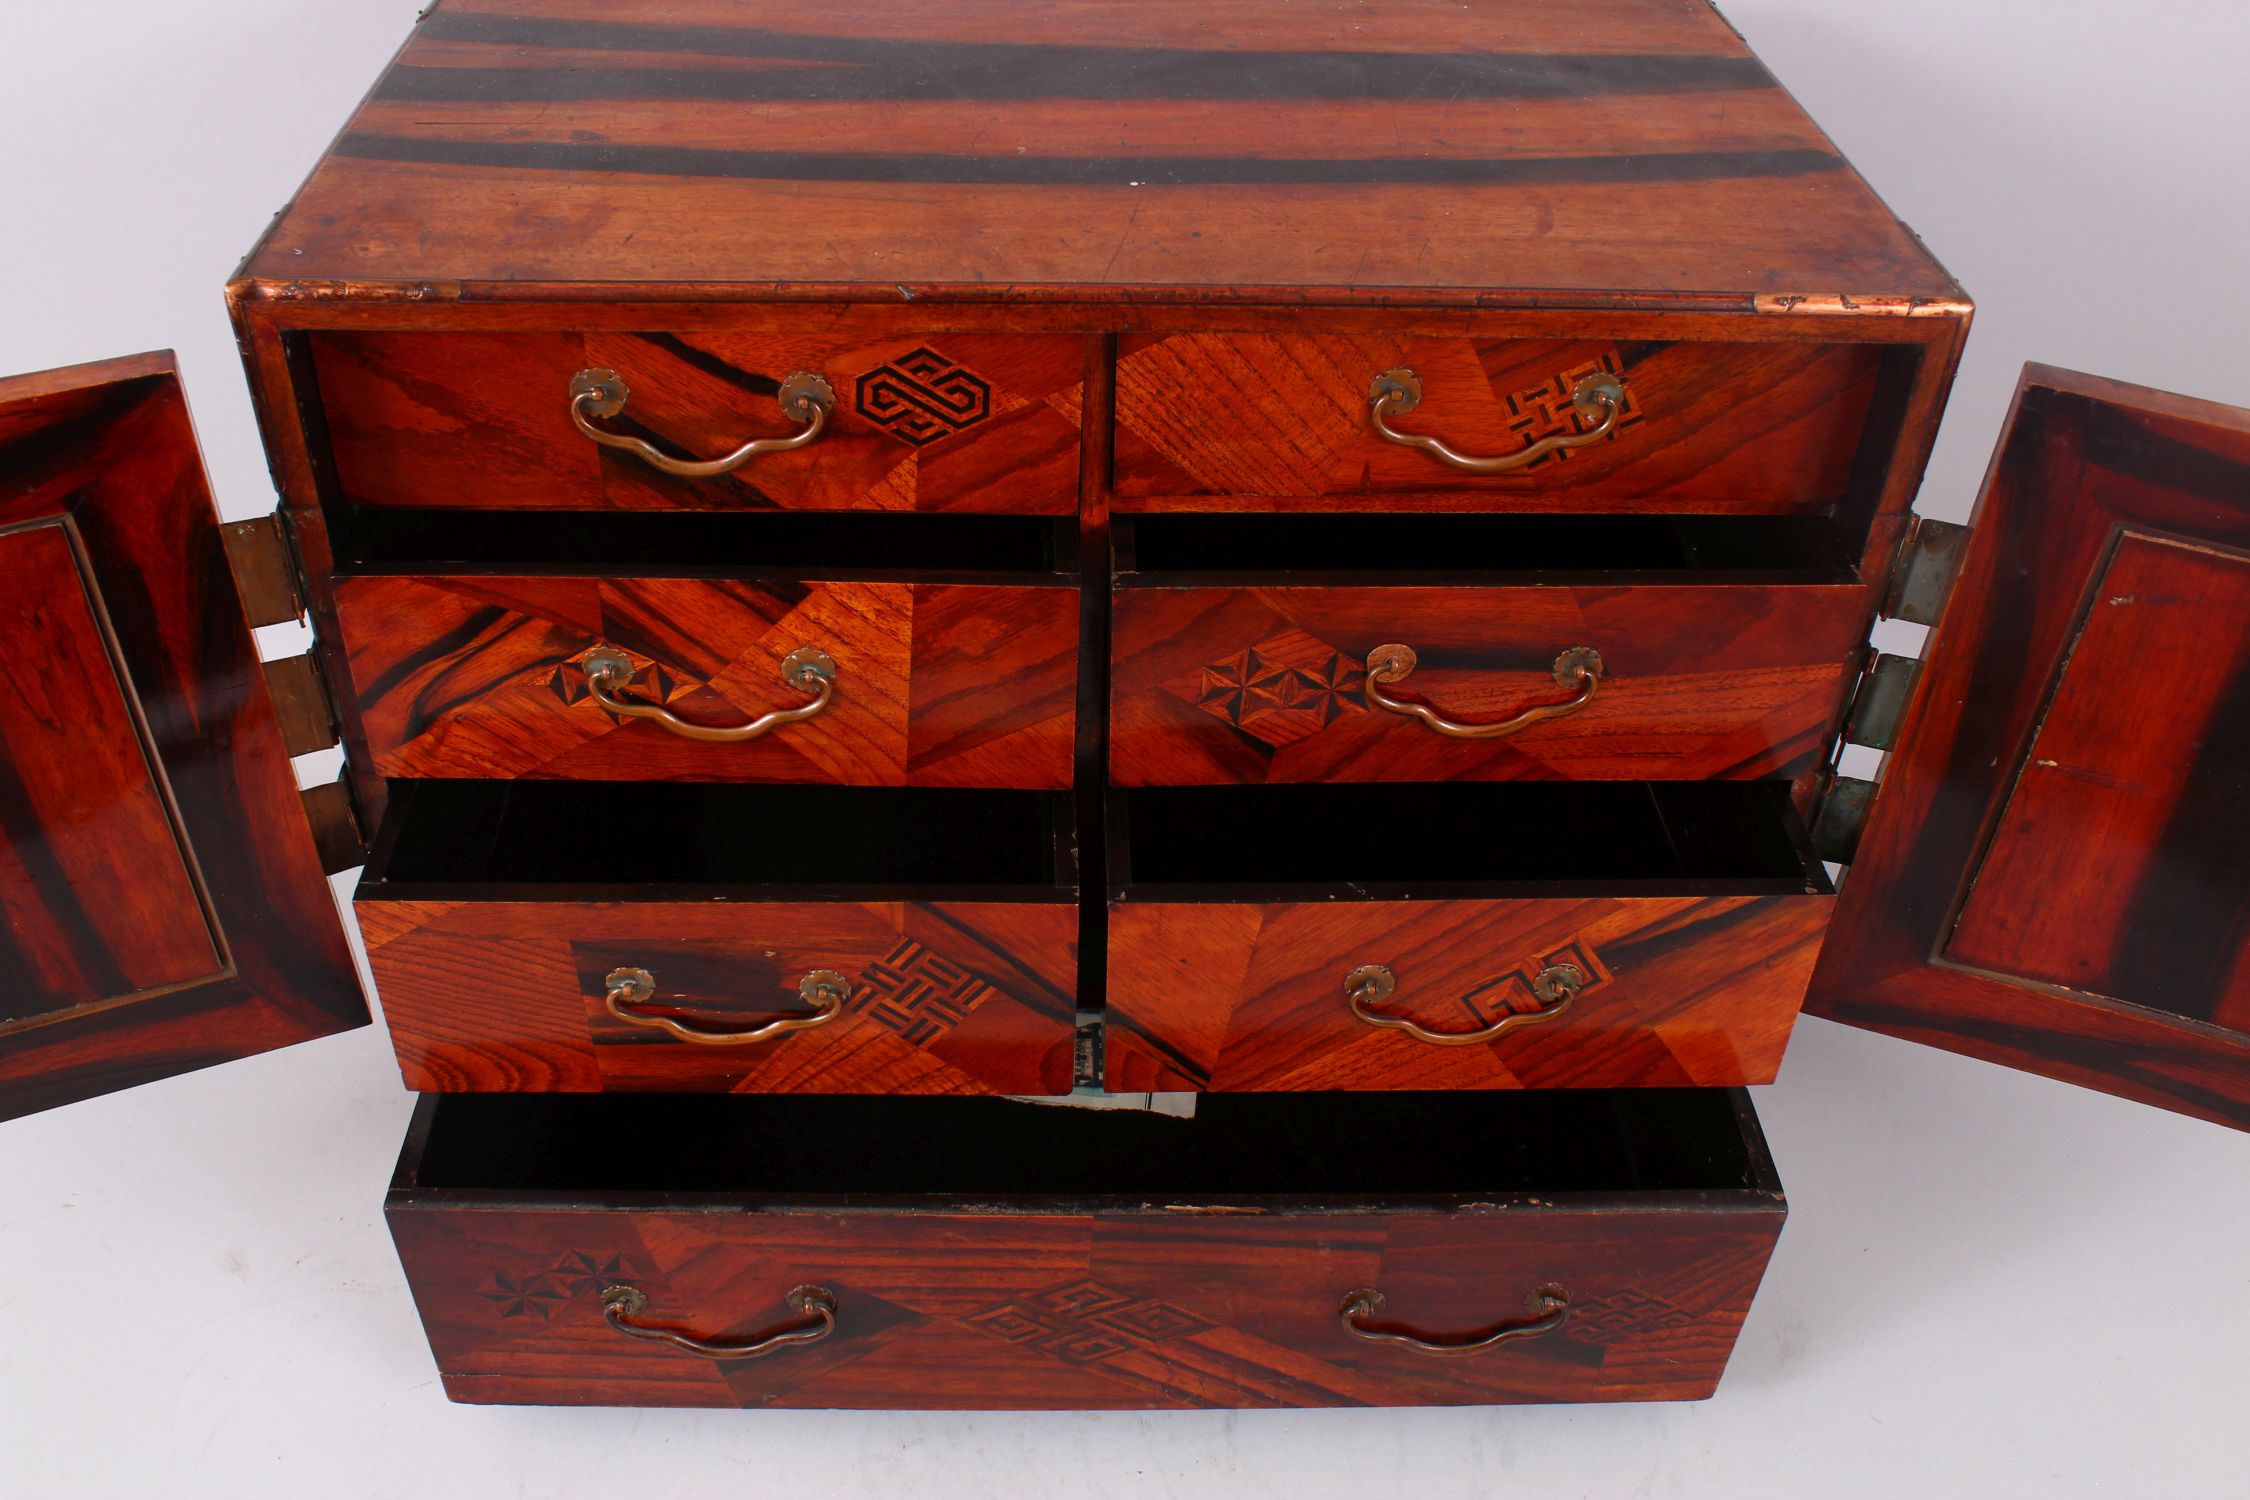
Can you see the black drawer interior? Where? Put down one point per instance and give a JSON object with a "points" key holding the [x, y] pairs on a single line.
{"points": [[652, 840], [1173, 550], [1502, 838], [770, 1150]]}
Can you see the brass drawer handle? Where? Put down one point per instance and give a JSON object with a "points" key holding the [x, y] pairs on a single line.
{"points": [[1547, 1307], [808, 669], [1579, 667], [824, 988], [805, 397], [1598, 398], [815, 1305], [1556, 986]]}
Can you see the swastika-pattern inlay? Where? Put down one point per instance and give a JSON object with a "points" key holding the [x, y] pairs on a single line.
{"points": [[916, 993], [1085, 1322], [923, 396], [1513, 992], [1546, 411]]}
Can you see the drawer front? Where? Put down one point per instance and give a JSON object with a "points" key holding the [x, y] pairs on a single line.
{"points": [[1218, 684], [933, 422], [1257, 422], [934, 684], [944, 997], [1031, 1311], [1226, 996]]}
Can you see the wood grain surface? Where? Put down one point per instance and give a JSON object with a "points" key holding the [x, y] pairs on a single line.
{"points": [[161, 904], [1268, 683], [936, 684], [1244, 421], [1225, 996], [958, 420], [947, 997], [2054, 872], [1505, 151]]}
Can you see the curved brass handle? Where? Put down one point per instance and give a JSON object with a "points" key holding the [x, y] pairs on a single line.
{"points": [[805, 397], [808, 669], [1547, 1307], [1580, 667], [824, 988], [1598, 398], [1556, 986], [621, 1304]]}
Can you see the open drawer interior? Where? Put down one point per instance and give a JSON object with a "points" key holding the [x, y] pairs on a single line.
{"points": [[656, 840], [776, 1151], [1404, 840]]}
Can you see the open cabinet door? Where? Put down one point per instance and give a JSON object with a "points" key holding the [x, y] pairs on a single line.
{"points": [[162, 906], [2055, 870]]}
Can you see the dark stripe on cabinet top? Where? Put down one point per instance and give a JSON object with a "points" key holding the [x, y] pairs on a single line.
{"points": [[1081, 171], [892, 68]]}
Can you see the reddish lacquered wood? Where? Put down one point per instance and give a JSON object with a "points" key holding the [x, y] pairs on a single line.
{"points": [[2054, 872], [947, 997], [1034, 1295], [164, 907], [1509, 151], [1227, 996], [923, 421], [1268, 684], [1256, 421], [936, 684]]}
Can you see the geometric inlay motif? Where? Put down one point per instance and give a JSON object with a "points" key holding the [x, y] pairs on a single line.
{"points": [[1629, 1311], [650, 681], [1281, 690], [1511, 993], [1085, 1322], [916, 993], [1546, 411], [922, 397], [539, 1294]]}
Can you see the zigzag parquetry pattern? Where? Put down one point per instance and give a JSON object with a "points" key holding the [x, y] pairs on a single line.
{"points": [[1682, 991], [937, 685], [959, 421], [1046, 1311]]}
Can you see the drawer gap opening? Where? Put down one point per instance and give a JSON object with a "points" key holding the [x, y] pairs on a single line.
{"points": [[1401, 840], [1176, 549], [374, 540], [770, 1151], [647, 840]]}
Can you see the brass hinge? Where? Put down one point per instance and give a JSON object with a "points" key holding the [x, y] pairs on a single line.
{"points": [[1922, 576], [1839, 816], [1880, 701], [301, 700], [265, 570], [336, 829]]}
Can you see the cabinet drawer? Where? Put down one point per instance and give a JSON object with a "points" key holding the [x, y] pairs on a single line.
{"points": [[538, 936], [920, 421], [1225, 672], [976, 1254], [1477, 936], [1234, 421], [936, 676]]}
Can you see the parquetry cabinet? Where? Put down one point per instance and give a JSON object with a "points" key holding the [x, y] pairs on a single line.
{"points": [[870, 563]]}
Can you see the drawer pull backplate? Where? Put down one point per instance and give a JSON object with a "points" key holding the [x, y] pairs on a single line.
{"points": [[1556, 986], [1546, 1306], [815, 1307], [823, 988], [805, 397], [1599, 398], [1579, 667], [808, 669]]}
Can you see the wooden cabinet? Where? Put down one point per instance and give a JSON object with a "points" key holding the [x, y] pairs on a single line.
{"points": [[1319, 561]]}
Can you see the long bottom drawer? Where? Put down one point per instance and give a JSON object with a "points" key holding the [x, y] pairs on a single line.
{"points": [[1274, 1250]]}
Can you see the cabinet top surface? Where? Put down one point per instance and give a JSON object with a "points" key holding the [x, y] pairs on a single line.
{"points": [[1513, 151]]}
